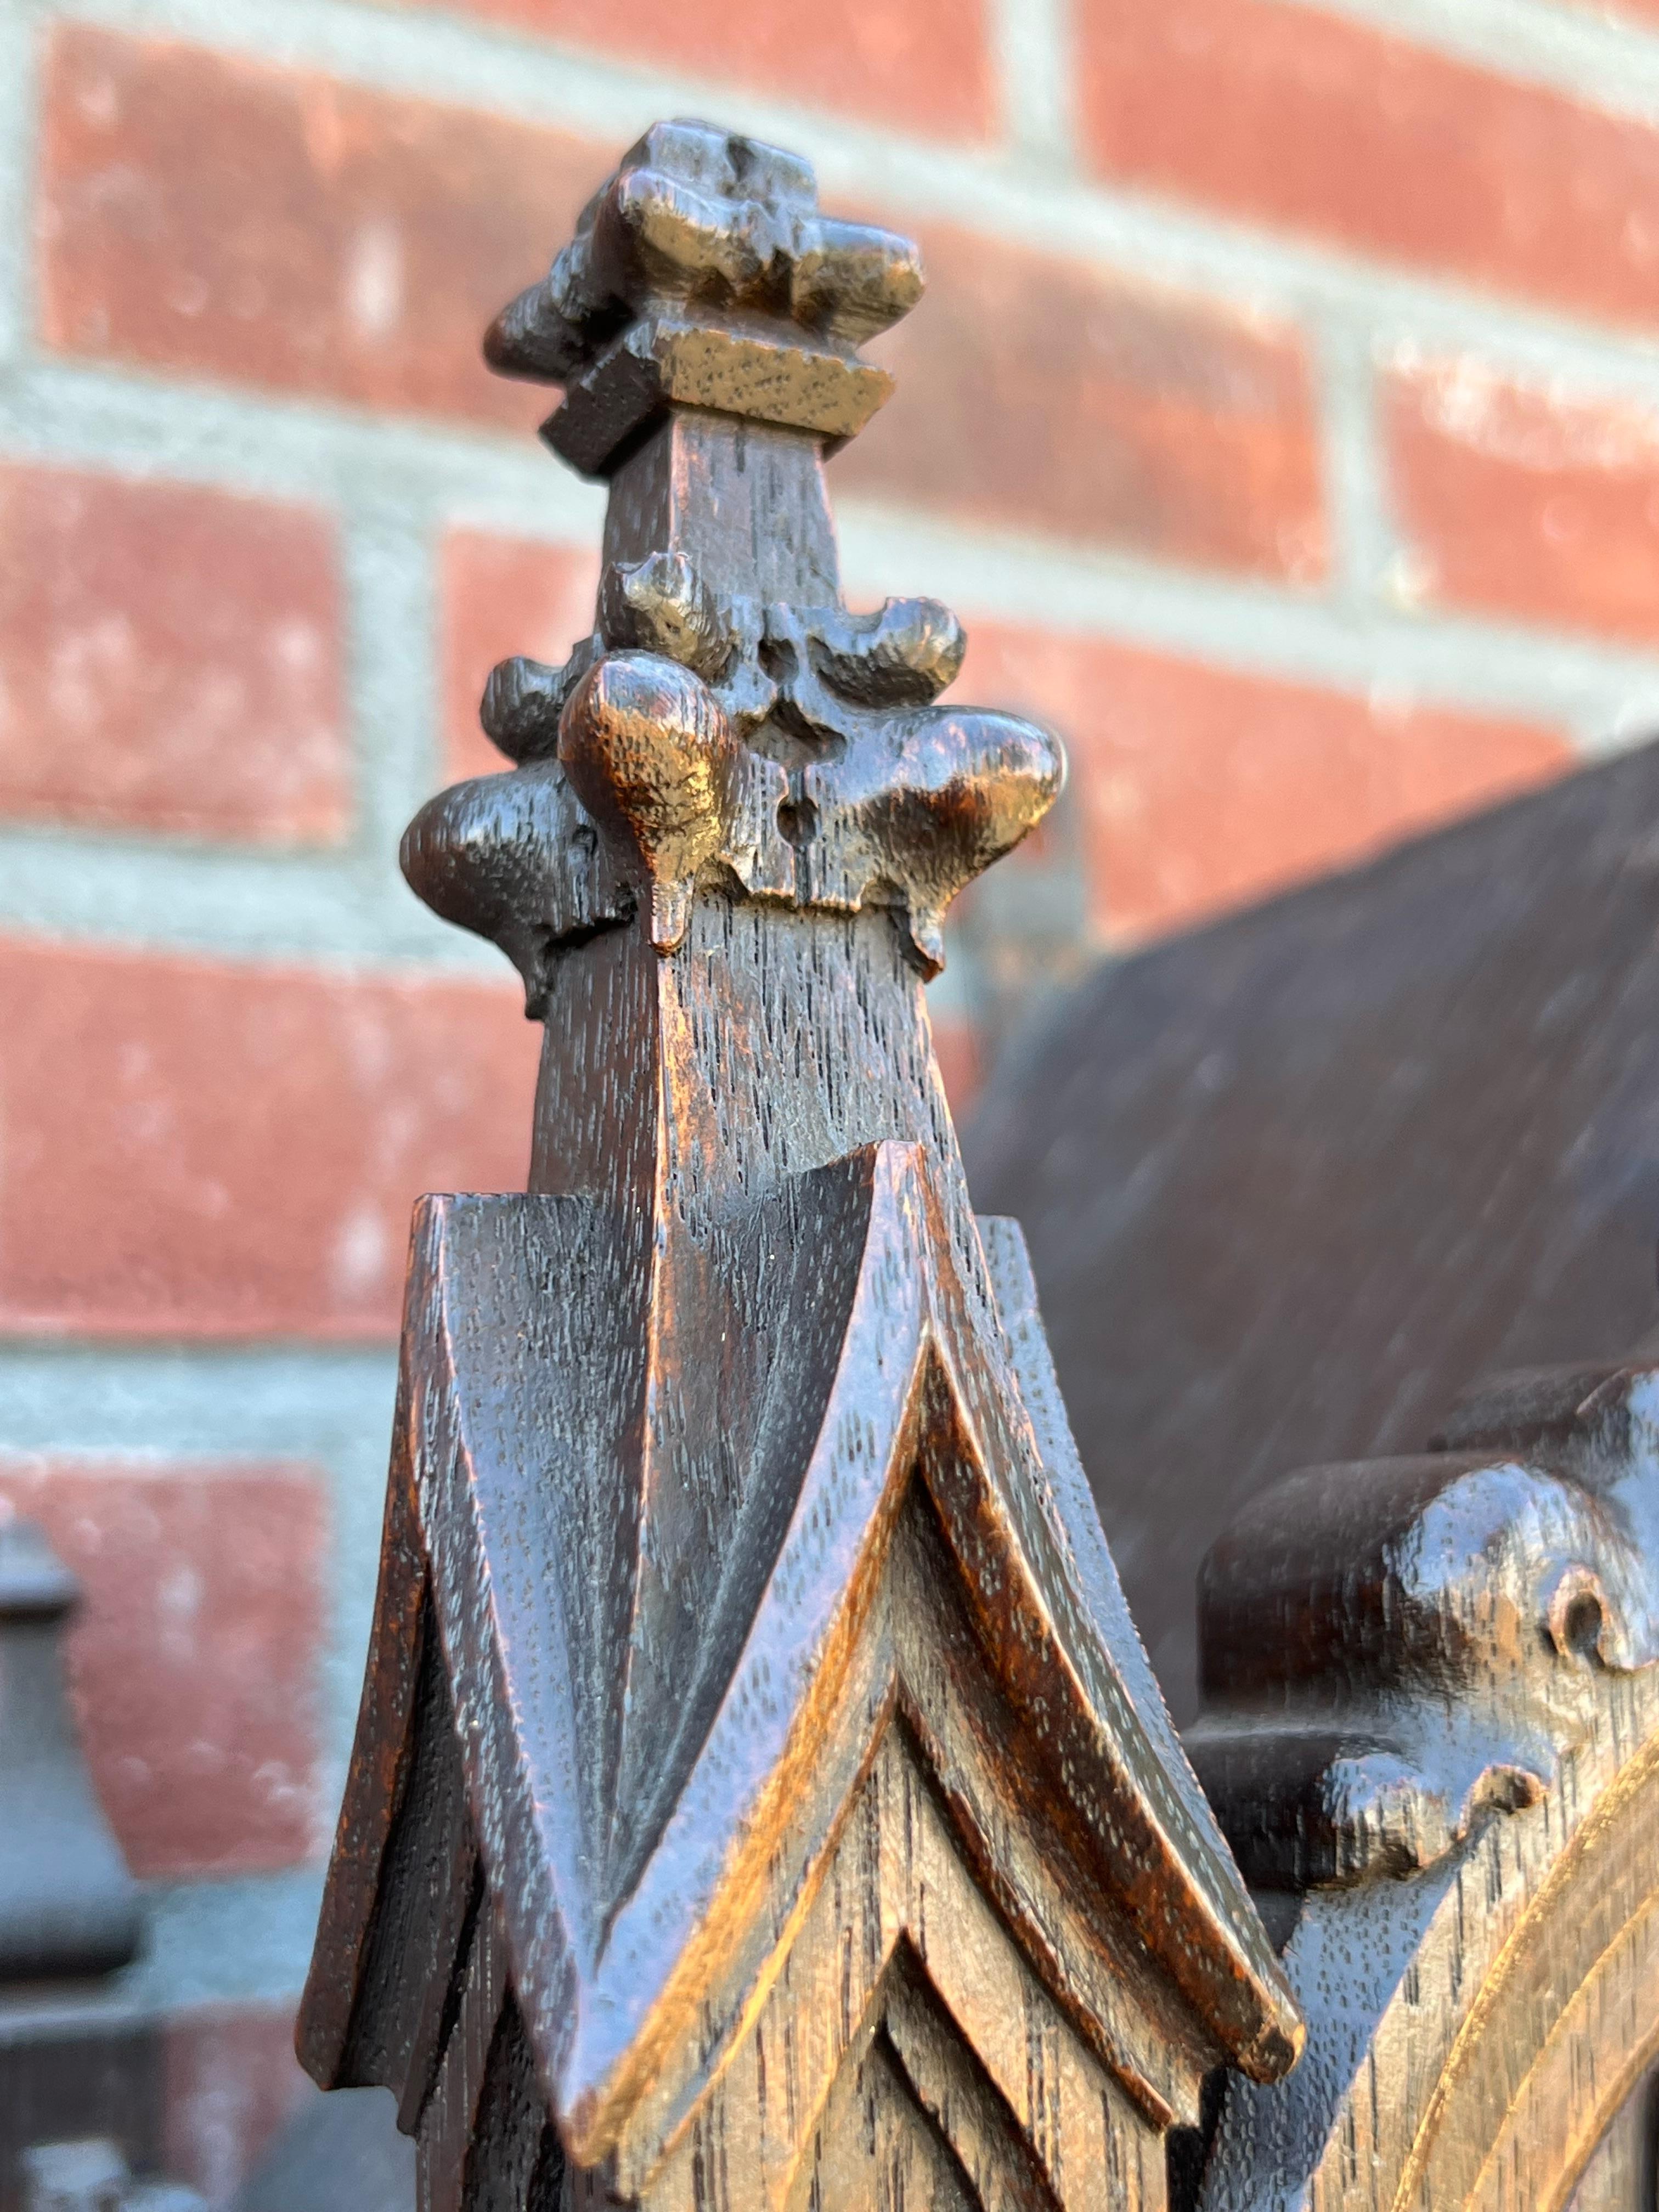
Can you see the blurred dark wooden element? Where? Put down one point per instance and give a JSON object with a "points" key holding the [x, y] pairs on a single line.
{"points": [[1431, 1733], [1292, 1182], [74, 2066], [760, 1795], [68, 1908]]}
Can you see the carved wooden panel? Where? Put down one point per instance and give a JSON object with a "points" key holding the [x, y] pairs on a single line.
{"points": [[1293, 1181]]}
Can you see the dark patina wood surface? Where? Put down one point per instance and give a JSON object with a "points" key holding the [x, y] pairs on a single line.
{"points": [[1292, 1183], [760, 1796], [1432, 1732]]}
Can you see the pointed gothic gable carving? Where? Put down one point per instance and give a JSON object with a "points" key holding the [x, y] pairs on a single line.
{"points": [[761, 1794]]}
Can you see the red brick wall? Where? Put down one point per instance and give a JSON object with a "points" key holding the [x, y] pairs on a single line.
{"points": [[1282, 416]]}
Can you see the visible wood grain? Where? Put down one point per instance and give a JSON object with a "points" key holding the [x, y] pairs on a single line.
{"points": [[760, 1796], [1447, 1763], [1294, 1180], [1624, 2171]]}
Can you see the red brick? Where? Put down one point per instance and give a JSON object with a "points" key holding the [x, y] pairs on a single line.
{"points": [[1042, 393], [1199, 789], [200, 1149], [923, 64], [277, 228], [1524, 503], [961, 1063], [1278, 113], [230, 2079], [501, 596], [169, 659], [194, 1653]]}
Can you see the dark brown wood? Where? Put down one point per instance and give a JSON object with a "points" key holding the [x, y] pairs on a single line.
{"points": [[1432, 1736], [1293, 1181], [761, 1795], [1290, 1182]]}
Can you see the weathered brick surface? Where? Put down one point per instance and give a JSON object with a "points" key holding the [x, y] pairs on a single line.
{"points": [[203, 1149], [282, 229], [1200, 788], [314, 237], [1042, 393], [922, 64], [169, 659], [501, 596], [1279, 113], [1523, 503], [230, 2079], [193, 1654]]}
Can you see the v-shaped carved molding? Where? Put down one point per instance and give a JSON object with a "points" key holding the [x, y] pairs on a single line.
{"points": [[649, 1899]]}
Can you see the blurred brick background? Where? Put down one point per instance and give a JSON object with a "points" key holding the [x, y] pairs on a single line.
{"points": [[1283, 417]]}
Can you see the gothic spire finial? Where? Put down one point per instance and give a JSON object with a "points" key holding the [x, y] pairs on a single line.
{"points": [[727, 723], [742, 1615]]}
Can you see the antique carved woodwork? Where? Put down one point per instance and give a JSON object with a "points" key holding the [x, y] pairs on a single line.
{"points": [[760, 1797], [1292, 1182], [1432, 1736], [1347, 1150]]}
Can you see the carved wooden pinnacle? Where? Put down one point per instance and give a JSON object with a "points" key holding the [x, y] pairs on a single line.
{"points": [[760, 1790], [728, 725]]}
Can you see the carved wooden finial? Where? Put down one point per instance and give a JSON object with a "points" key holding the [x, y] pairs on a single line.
{"points": [[759, 1787], [728, 719], [703, 275]]}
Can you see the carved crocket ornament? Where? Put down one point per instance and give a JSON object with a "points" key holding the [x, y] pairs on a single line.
{"points": [[1432, 1736], [760, 1797]]}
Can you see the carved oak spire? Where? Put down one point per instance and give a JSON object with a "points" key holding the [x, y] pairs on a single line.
{"points": [[759, 1784]]}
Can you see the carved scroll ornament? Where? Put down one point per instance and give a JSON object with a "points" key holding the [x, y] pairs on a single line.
{"points": [[1432, 1738]]}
